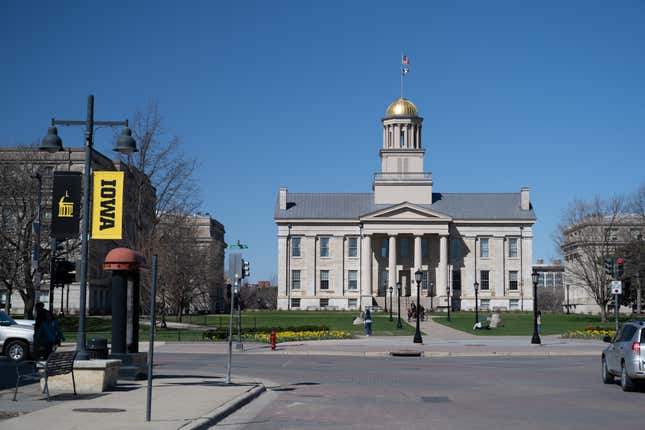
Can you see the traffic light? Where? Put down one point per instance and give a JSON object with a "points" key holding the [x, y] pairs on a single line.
{"points": [[620, 270], [246, 270], [64, 272], [609, 266]]}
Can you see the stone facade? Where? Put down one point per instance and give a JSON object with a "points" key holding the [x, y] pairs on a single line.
{"points": [[594, 239], [345, 251], [72, 160]]}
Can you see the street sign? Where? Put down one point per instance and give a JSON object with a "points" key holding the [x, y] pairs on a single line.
{"points": [[239, 245], [616, 287]]}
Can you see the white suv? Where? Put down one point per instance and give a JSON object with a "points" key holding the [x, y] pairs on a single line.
{"points": [[15, 339], [624, 356]]}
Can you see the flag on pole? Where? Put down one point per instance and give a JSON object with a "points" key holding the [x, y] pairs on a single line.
{"points": [[405, 60], [405, 70]]}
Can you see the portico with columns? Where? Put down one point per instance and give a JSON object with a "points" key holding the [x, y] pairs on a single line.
{"points": [[345, 250]]}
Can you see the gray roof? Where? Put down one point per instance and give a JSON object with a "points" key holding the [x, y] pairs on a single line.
{"points": [[479, 206]]}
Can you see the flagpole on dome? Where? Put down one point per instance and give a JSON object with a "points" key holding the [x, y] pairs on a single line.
{"points": [[405, 61], [402, 56]]}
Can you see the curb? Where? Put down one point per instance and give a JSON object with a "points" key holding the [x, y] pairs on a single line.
{"points": [[218, 414], [435, 354]]}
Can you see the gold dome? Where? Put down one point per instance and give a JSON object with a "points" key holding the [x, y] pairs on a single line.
{"points": [[402, 107]]}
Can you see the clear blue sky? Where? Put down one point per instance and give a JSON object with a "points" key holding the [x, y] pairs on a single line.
{"points": [[546, 94]]}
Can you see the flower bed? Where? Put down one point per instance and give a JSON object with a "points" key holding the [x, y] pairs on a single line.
{"points": [[287, 336], [590, 333]]}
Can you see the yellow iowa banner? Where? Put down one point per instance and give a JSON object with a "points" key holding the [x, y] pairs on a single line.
{"points": [[107, 206]]}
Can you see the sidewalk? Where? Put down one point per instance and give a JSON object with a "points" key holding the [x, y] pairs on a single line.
{"points": [[186, 402], [438, 341]]}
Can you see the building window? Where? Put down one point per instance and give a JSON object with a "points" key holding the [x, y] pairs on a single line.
{"points": [[384, 248], [424, 280], [404, 247], [484, 304], [295, 247], [514, 305], [456, 280], [541, 279], [455, 249], [549, 279], [612, 234], [352, 280], [558, 280], [324, 279], [484, 280], [295, 279], [483, 247], [324, 303], [352, 303], [402, 139], [512, 280], [324, 247], [384, 281], [353, 247], [295, 303], [424, 247], [512, 247], [634, 234]]}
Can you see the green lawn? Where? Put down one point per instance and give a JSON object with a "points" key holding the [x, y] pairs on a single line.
{"points": [[381, 325], [521, 323]]}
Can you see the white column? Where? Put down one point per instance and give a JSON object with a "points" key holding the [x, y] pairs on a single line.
{"points": [[385, 136], [391, 276], [442, 270], [501, 278], [366, 270], [282, 272], [417, 264]]}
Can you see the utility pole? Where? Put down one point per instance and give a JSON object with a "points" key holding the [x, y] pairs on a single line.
{"points": [[39, 178]]}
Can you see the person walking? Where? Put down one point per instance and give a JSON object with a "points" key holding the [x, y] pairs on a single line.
{"points": [[539, 322], [47, 333], [368, 322]]}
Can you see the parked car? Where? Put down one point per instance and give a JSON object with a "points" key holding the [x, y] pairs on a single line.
{"points": [[16, 340], [624, 356]]}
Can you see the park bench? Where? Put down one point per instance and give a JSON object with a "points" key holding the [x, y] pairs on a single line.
{"points": [[58, 363]]}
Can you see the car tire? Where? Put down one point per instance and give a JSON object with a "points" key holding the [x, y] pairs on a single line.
{"points": [[17, 350], [625, 381], [607, 377]]}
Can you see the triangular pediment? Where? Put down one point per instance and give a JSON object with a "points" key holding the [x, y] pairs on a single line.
{"points": [[406, 212]]}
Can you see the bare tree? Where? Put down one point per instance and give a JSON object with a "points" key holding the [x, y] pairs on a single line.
{"points": [[162, 163], [586, 236], [18, 203], [184, 276]]}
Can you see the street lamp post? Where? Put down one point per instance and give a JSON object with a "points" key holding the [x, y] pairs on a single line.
{"points": [[476, 285], [568, 305], [391, 304], [449, 296], [398, 300], [417, 334], [36, 258], [536, 336], [52, 143]]}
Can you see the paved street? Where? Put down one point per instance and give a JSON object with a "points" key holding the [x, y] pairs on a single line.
{"points": [[331, 392]]}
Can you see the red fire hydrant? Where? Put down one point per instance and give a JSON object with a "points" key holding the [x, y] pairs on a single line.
{"points": [[272, 340]]}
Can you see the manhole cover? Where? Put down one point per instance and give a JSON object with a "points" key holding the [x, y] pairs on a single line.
{"points": [[435, 399], [406, 353], [99, 410]]}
